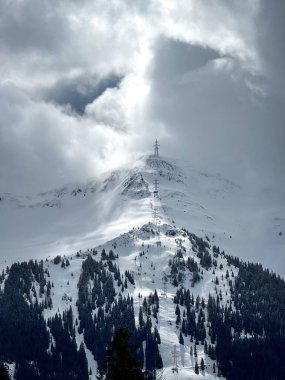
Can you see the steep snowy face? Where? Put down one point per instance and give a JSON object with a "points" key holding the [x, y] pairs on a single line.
{"points": [[189, 197], [164, 169], [136, 187]]}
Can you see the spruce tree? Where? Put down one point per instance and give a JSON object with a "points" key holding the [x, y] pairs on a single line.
{"points": [[121, 363], [181, 339], [4, 374], [82, 363]]}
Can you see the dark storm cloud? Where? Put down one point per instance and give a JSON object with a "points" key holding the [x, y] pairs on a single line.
{"points": [[175, 58], [80, 91], [271, 36], [182, 93], [216, 115]]}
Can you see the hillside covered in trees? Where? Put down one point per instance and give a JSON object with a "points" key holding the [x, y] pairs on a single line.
{"points": [[225, 316]]}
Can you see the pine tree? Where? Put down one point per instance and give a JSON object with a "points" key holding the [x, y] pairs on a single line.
{"points": [[181, 339], [141, 321], [153, 358], [205, 347], [202, 365], [157, 336], [178, 320], [82, 362], [121, 363], [177, 310], [196, 368], [197, 303], [4, 374]]}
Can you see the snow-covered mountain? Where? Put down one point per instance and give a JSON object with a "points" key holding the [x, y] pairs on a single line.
{"points": [[80, 215], [146, 255], [161, 245]]}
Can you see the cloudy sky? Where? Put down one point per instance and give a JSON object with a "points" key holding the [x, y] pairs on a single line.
{"points": [[87, 85]]}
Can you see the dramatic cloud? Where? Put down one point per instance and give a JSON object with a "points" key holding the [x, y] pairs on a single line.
{"points": [[85, 82]]}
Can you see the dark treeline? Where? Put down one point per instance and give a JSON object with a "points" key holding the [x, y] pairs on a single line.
{"points": [[120, 362], [247, 336], [100, 312], [192, 320], [256, 350], [52, 349], [24, 335]]}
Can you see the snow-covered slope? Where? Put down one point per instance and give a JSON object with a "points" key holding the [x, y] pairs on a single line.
{"points": [[81, 215], [147, 255], [145, 252], [77, 219]]}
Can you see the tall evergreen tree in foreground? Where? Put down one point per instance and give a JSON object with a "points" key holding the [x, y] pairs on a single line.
{"points": [[4, 373], [121, 363]]}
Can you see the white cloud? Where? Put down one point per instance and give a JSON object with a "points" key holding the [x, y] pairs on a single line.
{"points": [[226, 26], [120, 108], [41, 145], [44, 45]]}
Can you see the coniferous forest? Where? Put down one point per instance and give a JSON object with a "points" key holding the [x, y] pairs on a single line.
{"points": [[248, 334], [245, 337], [53, 352]]}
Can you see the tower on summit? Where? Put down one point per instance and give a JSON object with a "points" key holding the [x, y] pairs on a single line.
{"points": [[156, 146]]}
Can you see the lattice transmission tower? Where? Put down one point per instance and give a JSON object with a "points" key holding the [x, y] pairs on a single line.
{"points": [[156, 147]]}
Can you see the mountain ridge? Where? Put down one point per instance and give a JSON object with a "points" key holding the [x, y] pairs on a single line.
{"points": [[202, 202]]}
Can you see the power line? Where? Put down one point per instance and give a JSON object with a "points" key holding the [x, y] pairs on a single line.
{"points": [[155, 193], [156, 146], [175, 365]]}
